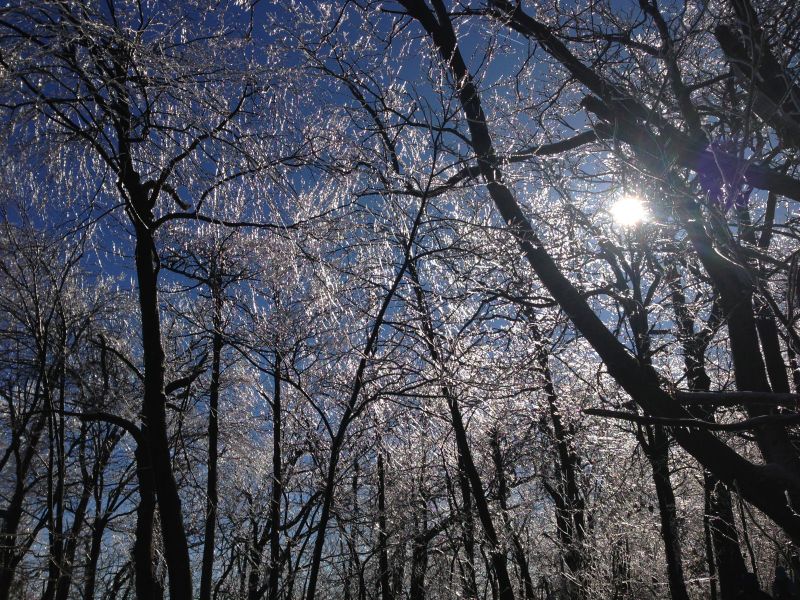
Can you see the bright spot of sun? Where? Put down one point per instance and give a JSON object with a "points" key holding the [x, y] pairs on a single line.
{"points": [[629, 211]]}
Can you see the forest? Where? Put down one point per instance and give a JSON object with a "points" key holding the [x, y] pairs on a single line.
{"points": [[399, 299]]}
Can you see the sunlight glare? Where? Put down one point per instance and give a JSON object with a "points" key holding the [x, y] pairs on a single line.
{"points": [[629, 211]]}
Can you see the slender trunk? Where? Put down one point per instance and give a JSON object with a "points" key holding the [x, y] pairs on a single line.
{"points": [[469, 582], [727, 551], [398, 570], [496, 551], [567, 498], [352, 541], [207, 571], [350, 410], [98, 529], [770, 344], [383, 552], [518, 551], [325, 513], [90, 483], [709, 542], [656, 447], [78, 519], [56, 467], [277, 485], [254, 561]]}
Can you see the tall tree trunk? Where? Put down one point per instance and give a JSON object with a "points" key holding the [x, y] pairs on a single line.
{"points": [[419, 567], [349, 413], [56, 480], [10, 553], [254, 553], [467, 523], [518, 550], [728, 560], [567, 497], [383, 551], [147, 585], [91, 480], [212, 499], [656, 447], [496, 550], [398, 570], [277, 484], [90, 571], [176, 548], [727, 552], [78, 519]]}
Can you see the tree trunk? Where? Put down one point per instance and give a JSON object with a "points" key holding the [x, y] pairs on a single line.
{"points": [[277, 484], [518, 550], [176, 548], [567, 498], [147, 584], [656, 447], [496, 550], [90, 576], [419, 567], [383, 552], [10, 554], [213, 443], [728, 560], [467, 521], [728, 555]]}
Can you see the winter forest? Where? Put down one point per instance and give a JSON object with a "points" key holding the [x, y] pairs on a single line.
{"points": [[399, 299]]}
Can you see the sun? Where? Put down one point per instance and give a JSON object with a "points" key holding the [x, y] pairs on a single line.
{"points": [[629, 211]]}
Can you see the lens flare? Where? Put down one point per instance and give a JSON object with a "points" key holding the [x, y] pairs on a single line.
{"points": [[629, 211]]}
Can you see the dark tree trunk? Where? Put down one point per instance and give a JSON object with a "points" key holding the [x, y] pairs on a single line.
{"points": [[419, 567], [277, 485], [656, 447], [350, 411], [567, 497], [213, 452], [518, 550], [254, 562], [98, 529], [176, 549], [496, 551], [709, 542], [91, 479], [147, 585], [727, 561], [56, 482], [467, 521], [727, 552], [78, 519], [10, 553], [398, 570], [383, 551]]}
